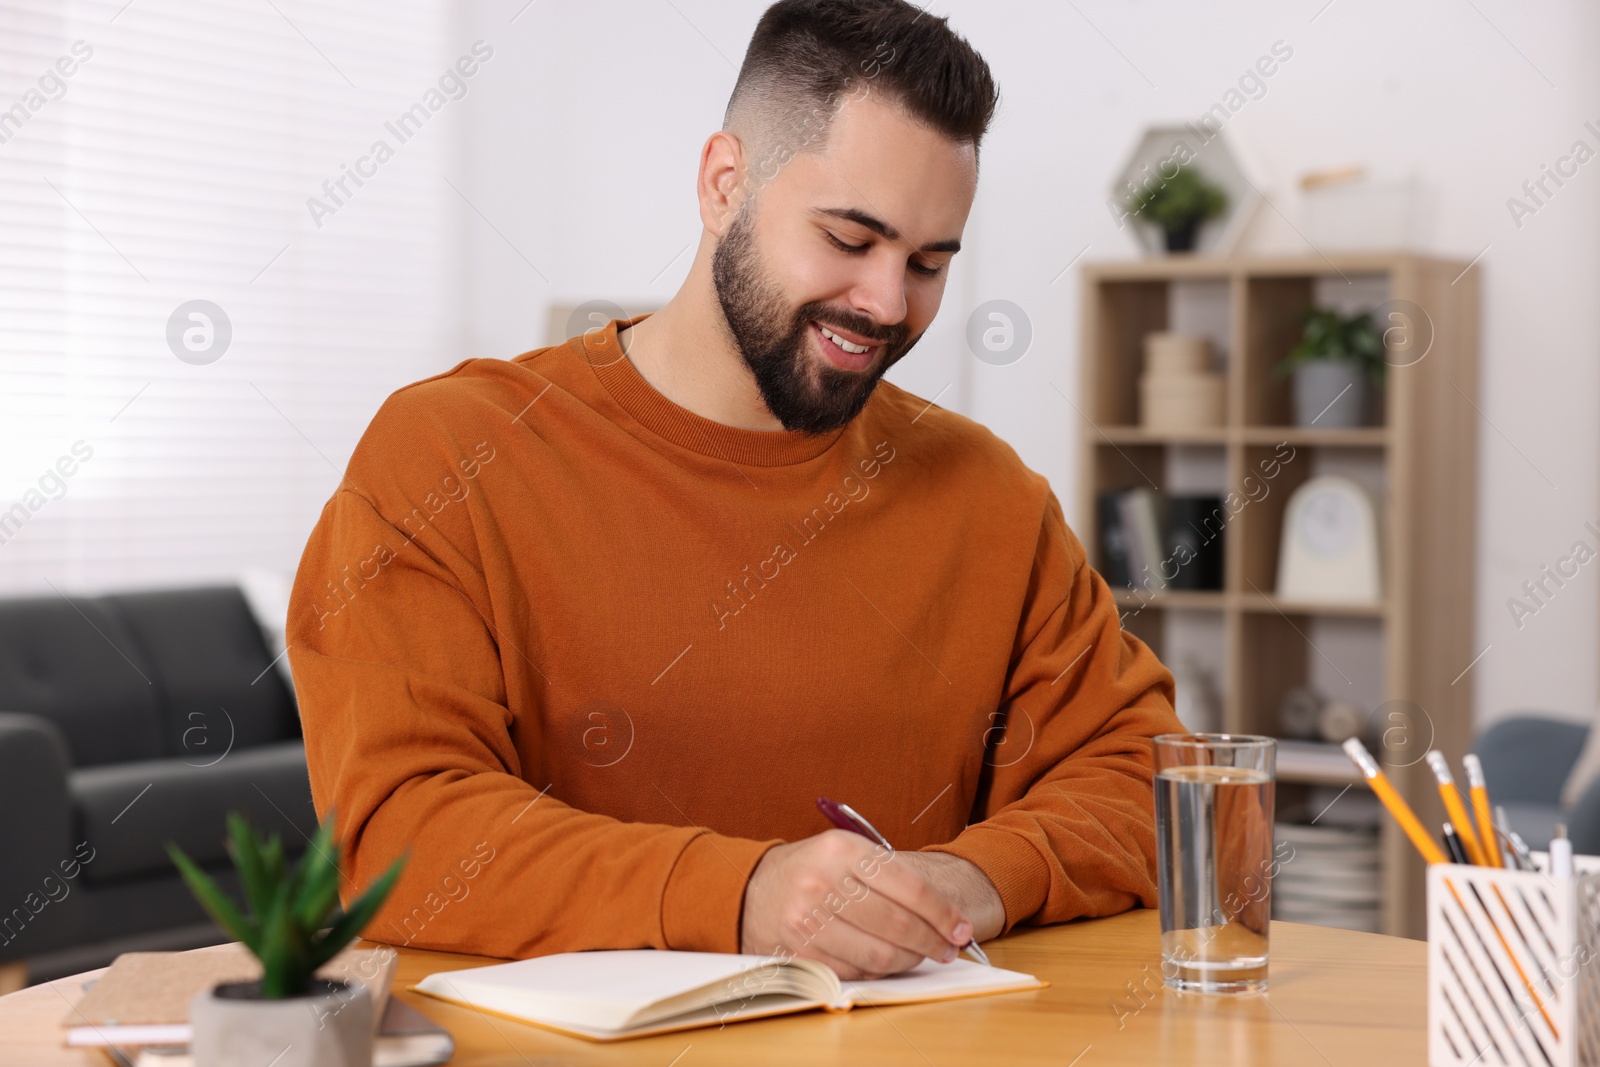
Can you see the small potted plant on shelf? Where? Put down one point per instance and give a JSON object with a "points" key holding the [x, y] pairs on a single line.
{"points": [[289, 1017], [1336, 357], [1179, 205]]}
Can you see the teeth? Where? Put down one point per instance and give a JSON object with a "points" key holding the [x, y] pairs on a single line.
{"points": [[842, 343]]}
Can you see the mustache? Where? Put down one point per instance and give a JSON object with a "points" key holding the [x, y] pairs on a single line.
{"points": [[893, 336]]}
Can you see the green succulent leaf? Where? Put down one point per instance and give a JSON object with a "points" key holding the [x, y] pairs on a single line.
{"points": [[359, 913], [284, 957], [217, 903], [321, 849], [272, 862], [319, 894], [244, 848]]}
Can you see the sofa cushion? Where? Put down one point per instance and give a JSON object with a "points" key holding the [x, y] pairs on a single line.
{"points": [[211, 670], [129, 811], [70, 661]]}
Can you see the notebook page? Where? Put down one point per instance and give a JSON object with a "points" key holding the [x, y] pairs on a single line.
{"points": [[601, 990], [938, 981], [716, 1015]]}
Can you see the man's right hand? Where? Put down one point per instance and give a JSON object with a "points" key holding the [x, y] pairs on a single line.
{"points": [[842, 900]]}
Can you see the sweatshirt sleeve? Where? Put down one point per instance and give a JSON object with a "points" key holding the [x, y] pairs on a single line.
{"points": [[409, 738], [1065, 811]]}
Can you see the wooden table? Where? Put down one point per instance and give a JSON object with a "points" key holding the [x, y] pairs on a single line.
{"points": [[1336, 998]]}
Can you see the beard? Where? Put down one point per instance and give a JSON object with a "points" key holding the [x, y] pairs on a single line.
{"points": [[803, 392]]}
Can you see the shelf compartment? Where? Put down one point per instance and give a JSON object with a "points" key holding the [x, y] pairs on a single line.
{"points": [[1138, 435], [1315, 437], [1274, 307], [1267, 479], [1312, 437], [1272, 651], [1177, 599], [1122, 313], [1269, 603], [1315, 763]]}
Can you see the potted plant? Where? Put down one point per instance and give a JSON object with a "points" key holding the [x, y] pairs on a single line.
{"points": [[289, 1017], [1336, 356], [1179, 205]]}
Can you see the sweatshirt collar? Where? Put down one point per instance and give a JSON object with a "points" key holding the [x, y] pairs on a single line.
{"points": [[602, 349]]}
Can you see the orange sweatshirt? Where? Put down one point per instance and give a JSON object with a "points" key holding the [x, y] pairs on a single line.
{"points": [[587, 656]]}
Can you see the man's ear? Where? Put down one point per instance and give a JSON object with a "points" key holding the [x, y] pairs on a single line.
{"points": [[723, 182]]}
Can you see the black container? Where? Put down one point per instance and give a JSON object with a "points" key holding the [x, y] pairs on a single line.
{"points": [[1194, 545]]}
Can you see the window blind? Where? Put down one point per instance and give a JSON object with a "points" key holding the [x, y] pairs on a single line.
{"points": [[157, 153]]}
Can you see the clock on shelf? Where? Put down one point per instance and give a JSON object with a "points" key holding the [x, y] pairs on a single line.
{"points": [[1329, 549]]}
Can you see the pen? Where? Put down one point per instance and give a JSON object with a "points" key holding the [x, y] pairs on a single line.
{"points": [[1561, 853], [1452, 804], [847, 818], [1480, 808], [1394, 802], [1453, 844], [1521, 857]]}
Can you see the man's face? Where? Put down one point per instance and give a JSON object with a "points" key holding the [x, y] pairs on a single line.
{"points": [[855, 240]]}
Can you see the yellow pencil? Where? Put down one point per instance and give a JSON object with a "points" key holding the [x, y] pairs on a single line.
{"points": [[1432, 852], [1480, 807], [1452, 804], [1394, 802]]}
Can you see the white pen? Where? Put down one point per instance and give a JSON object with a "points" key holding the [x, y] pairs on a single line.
{"points": [[1561, 853]]}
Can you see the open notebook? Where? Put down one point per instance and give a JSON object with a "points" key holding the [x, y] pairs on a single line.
{"points": [[608, 995]]}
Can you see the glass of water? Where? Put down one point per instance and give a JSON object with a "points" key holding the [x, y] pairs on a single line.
{"points": [[1214, 859]]}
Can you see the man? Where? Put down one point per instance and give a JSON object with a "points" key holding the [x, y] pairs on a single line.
{"points": [[589, 631]]}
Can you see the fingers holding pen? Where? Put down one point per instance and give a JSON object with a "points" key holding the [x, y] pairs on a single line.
{"points": [[842, 899]]}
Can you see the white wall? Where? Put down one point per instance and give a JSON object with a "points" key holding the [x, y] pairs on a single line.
{"points": [[582, 155]]}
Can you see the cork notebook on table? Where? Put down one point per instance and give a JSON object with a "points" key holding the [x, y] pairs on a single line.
{"points": [[143, 997]]}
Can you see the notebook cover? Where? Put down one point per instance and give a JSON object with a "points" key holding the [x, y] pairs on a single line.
{"points": [[155, 988]]}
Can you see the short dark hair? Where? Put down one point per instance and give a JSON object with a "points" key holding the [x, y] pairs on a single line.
{"points": [[806, 55]]}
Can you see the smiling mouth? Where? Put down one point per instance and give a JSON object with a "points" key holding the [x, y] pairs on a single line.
{"points": [[844, 352]]}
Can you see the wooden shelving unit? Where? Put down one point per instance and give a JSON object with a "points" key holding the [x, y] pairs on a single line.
{"points": [[1419, 460]]}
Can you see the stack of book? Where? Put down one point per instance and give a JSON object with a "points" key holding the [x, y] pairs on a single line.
{"points": [[1152, 541]]}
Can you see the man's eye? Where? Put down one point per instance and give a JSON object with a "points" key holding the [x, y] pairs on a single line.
{"points": [[921, 268]]}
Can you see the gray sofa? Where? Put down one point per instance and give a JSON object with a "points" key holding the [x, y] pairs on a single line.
{"points": [[127, 721], [1526, 760]]}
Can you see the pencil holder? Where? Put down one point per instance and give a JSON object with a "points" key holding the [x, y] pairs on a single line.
{"points": [[1513, 966]]}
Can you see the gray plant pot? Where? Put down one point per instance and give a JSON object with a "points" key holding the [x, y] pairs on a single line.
{"points": [[331, 1027], [1330, 393]]}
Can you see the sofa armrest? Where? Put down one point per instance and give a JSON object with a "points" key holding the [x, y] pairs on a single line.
{"points": [[35, 828], [1583, 821]]}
